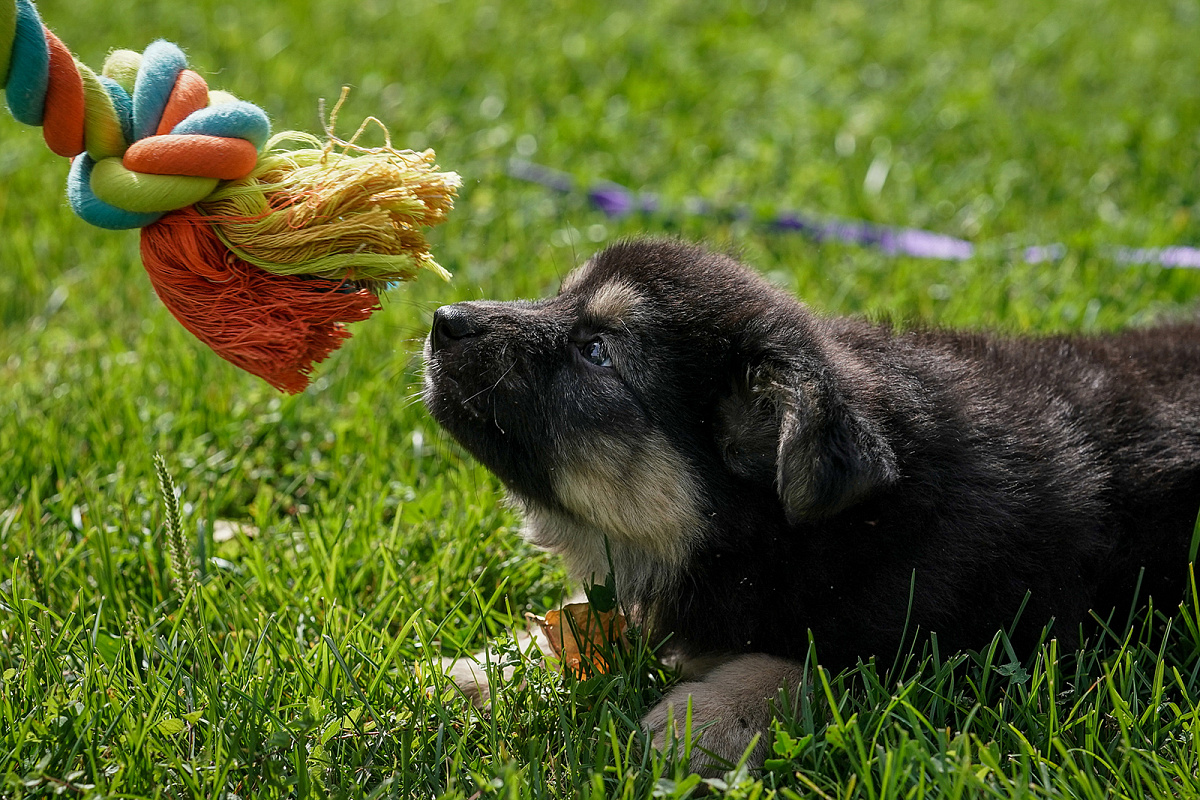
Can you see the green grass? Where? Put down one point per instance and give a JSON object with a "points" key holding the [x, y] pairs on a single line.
{"points": [[301, 662]]}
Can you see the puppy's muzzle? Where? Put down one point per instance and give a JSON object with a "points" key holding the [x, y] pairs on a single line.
{"points": [[452, 324]]}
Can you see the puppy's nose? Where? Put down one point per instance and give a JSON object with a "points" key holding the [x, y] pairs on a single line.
{"points": [[453, 323]]}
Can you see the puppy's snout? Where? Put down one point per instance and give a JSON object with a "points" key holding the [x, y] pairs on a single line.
{"points": [[454, 323]]}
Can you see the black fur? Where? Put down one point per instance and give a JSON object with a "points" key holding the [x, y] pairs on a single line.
{"points": [[839, 464]]}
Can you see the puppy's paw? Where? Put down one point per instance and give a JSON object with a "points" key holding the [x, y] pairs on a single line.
{"points": [[473, 674], [469, 675], [722, 728], [730, 707]]}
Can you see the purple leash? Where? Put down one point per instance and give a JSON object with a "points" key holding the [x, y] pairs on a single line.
{"points": [[617, 201]]}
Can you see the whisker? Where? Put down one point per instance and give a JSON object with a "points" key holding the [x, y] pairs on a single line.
{"points": [[492, 388], [408, 402]]}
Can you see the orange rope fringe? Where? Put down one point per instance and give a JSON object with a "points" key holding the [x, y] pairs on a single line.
{"points": [[274, 326]]}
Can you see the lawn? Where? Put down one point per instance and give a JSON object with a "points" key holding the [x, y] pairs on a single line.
{"points": [[332, 546]]}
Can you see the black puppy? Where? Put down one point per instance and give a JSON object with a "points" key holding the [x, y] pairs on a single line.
{"points": [[754, 472]]}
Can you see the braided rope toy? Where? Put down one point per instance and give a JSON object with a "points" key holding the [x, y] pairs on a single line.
{"points": [[262, 252]]}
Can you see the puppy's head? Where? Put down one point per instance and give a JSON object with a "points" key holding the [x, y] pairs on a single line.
{"points": [[659, 380]]}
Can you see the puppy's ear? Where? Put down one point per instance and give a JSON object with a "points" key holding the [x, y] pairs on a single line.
{"points": [[789, 423]]}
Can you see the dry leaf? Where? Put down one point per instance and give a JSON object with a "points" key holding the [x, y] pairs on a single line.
{"points": [[583, 637]]}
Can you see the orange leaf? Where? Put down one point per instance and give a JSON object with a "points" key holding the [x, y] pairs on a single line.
{"points": [[584, 639]]}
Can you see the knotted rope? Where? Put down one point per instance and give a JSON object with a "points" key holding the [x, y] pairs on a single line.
{"points": [[262, 252]]}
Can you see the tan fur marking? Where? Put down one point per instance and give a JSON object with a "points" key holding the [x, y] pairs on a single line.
{"points": [[638, 495], [575, 277], [639, 492], [613, 302]]}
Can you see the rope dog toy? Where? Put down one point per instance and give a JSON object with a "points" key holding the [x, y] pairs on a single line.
{"points": [[261, 251]]}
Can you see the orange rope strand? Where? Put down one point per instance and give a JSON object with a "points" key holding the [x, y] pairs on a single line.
{"points": [[274, 326]]}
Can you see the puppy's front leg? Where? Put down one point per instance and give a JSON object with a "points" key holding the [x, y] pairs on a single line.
{"points": [[470, 672], [730, 706]]}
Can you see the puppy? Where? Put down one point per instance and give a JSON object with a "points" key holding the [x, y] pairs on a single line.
{"points": [[752, 471]]}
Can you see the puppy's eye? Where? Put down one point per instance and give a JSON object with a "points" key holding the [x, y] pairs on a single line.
{"points": [[595, 352]]}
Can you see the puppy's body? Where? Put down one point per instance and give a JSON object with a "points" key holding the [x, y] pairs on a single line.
{"points": [[753, 472]]}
